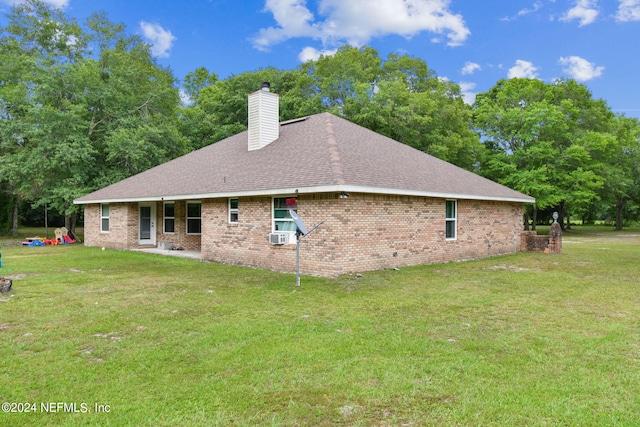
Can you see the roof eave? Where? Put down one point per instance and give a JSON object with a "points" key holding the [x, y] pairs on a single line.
{"points": [[309, 190]]}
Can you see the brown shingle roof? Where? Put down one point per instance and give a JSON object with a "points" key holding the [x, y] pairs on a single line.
{"points": [[319, 153]]}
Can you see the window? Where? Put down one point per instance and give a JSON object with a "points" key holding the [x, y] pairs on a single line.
{"points": [[169, 217], [104, 218], [194, 217], [451, 220], [282, 221], [233, 211]]}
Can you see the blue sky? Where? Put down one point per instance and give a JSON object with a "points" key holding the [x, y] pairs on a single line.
{"points": [[474, 43]]}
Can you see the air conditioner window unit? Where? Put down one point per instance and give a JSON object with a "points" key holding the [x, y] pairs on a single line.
{"points": [[278, 238]]}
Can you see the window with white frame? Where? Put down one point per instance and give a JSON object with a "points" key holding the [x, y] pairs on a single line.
{"points": [[194, 217], [104, 218], [451, 219], [282, 221], [169, 217], [233, 211]]}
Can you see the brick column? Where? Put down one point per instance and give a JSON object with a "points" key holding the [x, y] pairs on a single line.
{"points": [[555, 239]]}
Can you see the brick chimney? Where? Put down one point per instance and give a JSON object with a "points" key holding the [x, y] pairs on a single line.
{"points": [[264, 125]]}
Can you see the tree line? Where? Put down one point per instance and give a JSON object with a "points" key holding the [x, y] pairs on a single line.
{"points": [[84, 105]]}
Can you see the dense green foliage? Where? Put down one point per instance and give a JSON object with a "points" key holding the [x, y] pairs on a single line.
{"points": [[559, 145], [85, 105], [399, 97], [81, 107]]}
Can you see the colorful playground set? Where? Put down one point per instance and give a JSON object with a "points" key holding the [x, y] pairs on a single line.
{"points": [[61, 238]]}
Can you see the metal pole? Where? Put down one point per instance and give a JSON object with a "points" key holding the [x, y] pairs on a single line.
{"points": [[297, 259], [299, 236], [46, 220]]}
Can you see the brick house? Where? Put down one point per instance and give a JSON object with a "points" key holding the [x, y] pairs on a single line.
{"points": [[383, 203]]}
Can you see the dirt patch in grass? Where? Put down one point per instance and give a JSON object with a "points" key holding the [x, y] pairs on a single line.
{"points": [[582, 237], [19, 276], [509, 267]]}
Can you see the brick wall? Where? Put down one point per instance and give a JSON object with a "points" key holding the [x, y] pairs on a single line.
{"points": [[123, 226], [179, 238], [363, 232], [551, 244]]}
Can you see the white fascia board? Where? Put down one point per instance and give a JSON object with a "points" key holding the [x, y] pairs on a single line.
{"points": [[434, 194], [246, 193], [308, 190]]}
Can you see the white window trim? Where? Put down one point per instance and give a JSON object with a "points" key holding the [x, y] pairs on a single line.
{"points": [[164, 218], [186, 214], [108, 218], [233, 210], [273, 216], [454, 219]]}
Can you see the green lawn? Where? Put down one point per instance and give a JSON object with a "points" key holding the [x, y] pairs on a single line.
{"points": [[526, 339]]}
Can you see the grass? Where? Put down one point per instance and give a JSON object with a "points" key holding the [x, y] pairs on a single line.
{"points": [[524, 339]]}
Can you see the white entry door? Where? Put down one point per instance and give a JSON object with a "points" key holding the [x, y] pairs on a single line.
{"points": [[147, 224]]}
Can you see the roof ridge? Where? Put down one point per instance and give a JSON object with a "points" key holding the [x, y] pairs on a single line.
{"points": [[334, 154]]}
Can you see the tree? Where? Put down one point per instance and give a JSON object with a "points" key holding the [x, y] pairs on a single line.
{"points": [[621, 165], [400, 98], [221, 108], [89, 106], [197, 80], [35, 40], [543, 139], [343, 79]]}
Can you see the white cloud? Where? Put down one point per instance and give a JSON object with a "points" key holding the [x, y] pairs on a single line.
{"points": [[470, 68], [311, 54], [523, 69], [468, 96], [184, 98], [58, 4], [536, 6], [628, 11], [580, 69], [294, 20], [358, 21], [69, 39], [585, 11], [522, 12], [161, 40]]}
